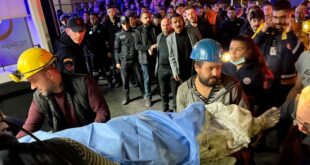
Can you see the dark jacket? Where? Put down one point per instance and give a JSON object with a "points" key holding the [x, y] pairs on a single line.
{"points": [[112, 29], [143, 42], [157, 57], [204, 28], [71, 57], [98, 39], [75, 93], [228, 30], [251, 79], [287, 52], [193, 35], [124, 47], [79, 103], [246, 30], [296, 148]]}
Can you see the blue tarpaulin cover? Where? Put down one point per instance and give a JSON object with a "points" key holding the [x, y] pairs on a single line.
{"points": [[149, 137]]}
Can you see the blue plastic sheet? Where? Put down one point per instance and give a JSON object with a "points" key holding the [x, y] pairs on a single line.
{"points": [[150, 137]]}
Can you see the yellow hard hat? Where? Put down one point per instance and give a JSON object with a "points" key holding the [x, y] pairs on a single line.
{"points": [[306, 26], [30, 62]]}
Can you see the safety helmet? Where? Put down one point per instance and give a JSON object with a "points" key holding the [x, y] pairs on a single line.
{"points": [[206, 50], [306, 26], [30, 62]]}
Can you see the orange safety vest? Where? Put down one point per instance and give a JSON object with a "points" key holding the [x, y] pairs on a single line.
{"points": [[212, 19]]}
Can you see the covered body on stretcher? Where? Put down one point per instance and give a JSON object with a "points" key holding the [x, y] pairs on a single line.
{"points": [[199, 134]]}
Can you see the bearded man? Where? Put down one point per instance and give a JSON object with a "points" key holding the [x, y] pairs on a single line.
{"points": [[209, 85]]}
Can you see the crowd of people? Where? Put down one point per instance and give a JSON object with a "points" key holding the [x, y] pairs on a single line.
{"points": [[140, 43], [253, 56]]}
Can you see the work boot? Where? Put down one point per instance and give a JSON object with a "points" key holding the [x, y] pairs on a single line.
{"points": [[166, 108], [125, 101], [126, 98], [148, 102]]}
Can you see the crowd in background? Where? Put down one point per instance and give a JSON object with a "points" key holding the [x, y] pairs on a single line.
{"points": [[255, 56], [218, 21]]}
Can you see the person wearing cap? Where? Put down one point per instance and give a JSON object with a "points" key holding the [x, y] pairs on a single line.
{"points": [[209, 85], [72, 49], [126, 57], [65, 100], [145, 42], [302, 66]]}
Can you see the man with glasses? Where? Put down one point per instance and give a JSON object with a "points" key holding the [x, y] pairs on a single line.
{"points": [[296, 147], [65, 100]]}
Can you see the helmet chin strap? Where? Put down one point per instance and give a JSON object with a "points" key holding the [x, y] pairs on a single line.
{"points": [[238, 62]]}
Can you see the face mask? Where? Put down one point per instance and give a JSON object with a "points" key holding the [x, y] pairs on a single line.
{"points": [[238, 62]]}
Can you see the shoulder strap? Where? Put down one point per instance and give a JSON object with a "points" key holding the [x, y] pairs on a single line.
{"points": [[43, 106], [226, 89]]}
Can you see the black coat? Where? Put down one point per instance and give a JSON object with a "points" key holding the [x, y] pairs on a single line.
{"points": [[124, 47], [143, 42], [98, 40], [112, 29], [246, 30], [71, 57], [228, 30]]}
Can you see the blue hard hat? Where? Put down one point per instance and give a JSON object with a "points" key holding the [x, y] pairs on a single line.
{"points": [[206, 50]]}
